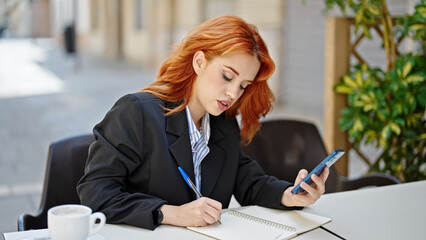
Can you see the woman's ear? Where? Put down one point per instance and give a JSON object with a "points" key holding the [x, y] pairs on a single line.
{"points": [[198, 62]]}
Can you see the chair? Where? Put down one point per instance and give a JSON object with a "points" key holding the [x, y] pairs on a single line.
{"points": [[65, 166], [283, 147]]}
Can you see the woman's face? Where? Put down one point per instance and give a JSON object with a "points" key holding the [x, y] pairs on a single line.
{"points": [[220, 82]]}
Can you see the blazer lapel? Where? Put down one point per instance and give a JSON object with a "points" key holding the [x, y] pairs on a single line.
{"points": [[212, 164], [179, 142], [180, 148]]}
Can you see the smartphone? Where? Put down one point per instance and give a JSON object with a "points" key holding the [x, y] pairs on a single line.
{"points": [[328, 161]]}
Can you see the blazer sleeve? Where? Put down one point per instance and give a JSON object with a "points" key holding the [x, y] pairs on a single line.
{"points": [[254, 187], [116, 153]]}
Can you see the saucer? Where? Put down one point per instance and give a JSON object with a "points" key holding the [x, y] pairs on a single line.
{"points": [[95, 237]]}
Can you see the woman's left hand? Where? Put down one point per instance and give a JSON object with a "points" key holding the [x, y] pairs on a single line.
{"points": [[312, 192]]}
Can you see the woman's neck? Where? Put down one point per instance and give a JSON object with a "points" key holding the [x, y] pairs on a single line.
{"points": [[196, 115]]}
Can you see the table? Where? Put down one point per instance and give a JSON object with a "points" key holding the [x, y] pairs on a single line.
{"points": [[113, 232], [118, 232], [391, 212]]}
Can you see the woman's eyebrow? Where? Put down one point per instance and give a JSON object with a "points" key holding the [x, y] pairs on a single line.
{"points": [[232, 69]]}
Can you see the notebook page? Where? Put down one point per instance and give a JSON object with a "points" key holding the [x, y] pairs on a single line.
{"points": [[302, 221], [234, 227]]}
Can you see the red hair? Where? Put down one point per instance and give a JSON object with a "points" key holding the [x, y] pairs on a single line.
{"points": [[217, 37]]}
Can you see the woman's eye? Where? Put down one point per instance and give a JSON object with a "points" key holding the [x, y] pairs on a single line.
{"points": [[242, 88], [226, 78]]}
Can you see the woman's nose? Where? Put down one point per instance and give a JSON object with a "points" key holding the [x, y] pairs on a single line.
{"points": [[233, 91]]}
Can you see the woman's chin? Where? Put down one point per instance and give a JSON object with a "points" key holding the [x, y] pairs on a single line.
{"points": [[216, 112]]}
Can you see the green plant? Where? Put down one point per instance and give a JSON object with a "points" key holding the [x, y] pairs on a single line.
{"points": [[387, 107]]}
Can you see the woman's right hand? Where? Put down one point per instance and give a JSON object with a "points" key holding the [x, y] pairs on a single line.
{"points": [[198, 213]]}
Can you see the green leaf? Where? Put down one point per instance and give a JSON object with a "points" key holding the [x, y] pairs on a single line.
{"points": [[412, 101], [365, 98], [350, 82], [393, 75], [371, 136], [406, 69], [417, 27], [381, 116], [344, 89], [397, 109], [415, 78], [368, 82], [395, 128], [358, 78], [345, 123], [399, 73], [421, 97], [358, 126], [347, 112], [356, 28], [400, 121], [418, 35], [366, 31], [367, 101], [373, 9], [369, 106], [413, 119], [359, 16], [382, 142], [423, 13], [386, 131]]}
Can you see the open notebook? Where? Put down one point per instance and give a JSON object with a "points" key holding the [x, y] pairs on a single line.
{"points": [[256, 222]]}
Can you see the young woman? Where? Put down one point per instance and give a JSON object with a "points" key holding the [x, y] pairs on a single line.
{"points": [[186, 119]]}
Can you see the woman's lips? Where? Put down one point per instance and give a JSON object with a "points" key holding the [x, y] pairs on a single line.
{"points": [[223, 105]]}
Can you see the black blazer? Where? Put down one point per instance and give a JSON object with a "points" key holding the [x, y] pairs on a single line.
{"points": [[132, 168]]}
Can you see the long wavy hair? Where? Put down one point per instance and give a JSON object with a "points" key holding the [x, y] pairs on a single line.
{"points": [[217, 37]]}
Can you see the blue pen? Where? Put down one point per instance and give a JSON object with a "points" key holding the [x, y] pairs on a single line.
{"points": [[191, 184]]}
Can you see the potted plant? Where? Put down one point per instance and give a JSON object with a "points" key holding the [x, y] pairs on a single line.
{"points": [[386, 107]]}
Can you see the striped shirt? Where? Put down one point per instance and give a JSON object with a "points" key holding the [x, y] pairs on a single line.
{"points": [[199, 141]]}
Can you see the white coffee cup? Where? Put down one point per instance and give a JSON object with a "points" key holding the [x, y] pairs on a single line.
{"points": [[73, 222]]}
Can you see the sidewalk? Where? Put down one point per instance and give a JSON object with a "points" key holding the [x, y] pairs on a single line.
{"points": [[43, 99]]}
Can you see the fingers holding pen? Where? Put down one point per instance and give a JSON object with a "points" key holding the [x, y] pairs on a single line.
{"points": [[211, 210], [198, 213], [203, 211]]}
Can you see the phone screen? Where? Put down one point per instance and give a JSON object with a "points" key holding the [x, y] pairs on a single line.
{"points": [[328, 161]]}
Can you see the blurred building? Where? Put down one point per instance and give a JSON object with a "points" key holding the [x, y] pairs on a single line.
{"points": [[144, 31], [30, 18]]}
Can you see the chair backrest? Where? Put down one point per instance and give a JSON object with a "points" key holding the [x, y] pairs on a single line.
{"points": [[283, 147], [64, 168]]}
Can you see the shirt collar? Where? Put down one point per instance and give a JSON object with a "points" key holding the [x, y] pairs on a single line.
{"points": [[194, 134]]}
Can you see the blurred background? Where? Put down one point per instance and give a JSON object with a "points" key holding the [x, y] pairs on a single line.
{"points": [[63, 64]]}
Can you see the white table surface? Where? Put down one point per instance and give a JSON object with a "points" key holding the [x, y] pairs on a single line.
{"points": [[391, 212], [119, 232]]}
